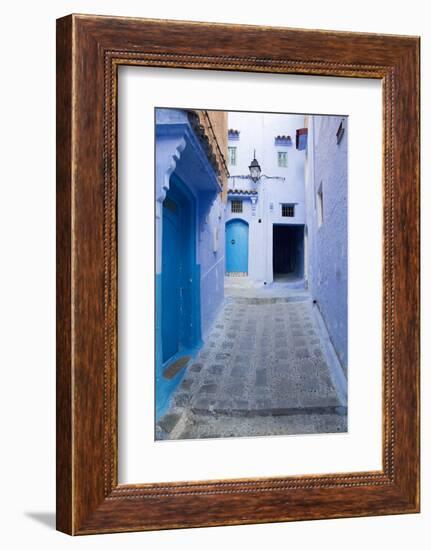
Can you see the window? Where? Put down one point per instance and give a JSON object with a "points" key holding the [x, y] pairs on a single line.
{"points": [[340, 132], [236, 207], [232, 156], [282, 159], [288, 210], [320, 206]]}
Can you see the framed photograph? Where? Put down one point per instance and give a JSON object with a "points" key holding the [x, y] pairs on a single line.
{"points": [[237, 274]]}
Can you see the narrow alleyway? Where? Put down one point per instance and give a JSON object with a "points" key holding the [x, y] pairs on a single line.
{"points": [[264, 370]]}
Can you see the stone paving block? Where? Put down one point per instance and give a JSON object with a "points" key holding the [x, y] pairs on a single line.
{"points": [[262, 404], [300, 342], [182, 399], [168, 422], [222, 356], [238, 371], [203, 404], [261, 377], [223, 405], [307, 366], [186, 384], [309, 384], [326, 382], [247, 343], [302, 353], [208, 388], [240, 405], [188, 433], [216, 369], [196, 367], [311, 400], [236, 390]]}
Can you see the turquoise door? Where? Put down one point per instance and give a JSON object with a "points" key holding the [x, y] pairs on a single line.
{"points": [[237, 246], [171, 271]]}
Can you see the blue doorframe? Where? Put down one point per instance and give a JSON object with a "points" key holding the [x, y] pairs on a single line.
{"points": [[177, 288], [237, 246]]}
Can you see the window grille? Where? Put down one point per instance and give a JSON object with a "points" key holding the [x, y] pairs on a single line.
{"points": [[232, 156], [282, 159], [288, 210], [236, 207]]}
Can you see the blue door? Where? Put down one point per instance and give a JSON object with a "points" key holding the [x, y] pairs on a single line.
{"points": [[237, 246], [171, 278]]}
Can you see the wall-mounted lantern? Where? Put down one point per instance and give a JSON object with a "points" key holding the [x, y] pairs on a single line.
{"points": [[254, 168]]}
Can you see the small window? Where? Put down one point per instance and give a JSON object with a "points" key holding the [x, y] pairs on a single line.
{"points": [[236, 207], [282, 159], [340, 132], [288, 210], [232, 156], [320, 206]]}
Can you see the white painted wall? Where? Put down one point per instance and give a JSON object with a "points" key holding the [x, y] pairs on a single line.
{"points": [[257, 133]]}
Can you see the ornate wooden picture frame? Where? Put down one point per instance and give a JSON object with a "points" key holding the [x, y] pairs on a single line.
{"points": [[89, 51]]}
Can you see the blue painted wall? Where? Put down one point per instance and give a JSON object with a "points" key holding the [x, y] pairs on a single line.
{"points": [[211, 247], [326, 170], [185, 177]]}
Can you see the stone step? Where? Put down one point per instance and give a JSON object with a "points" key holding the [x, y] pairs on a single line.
{"points": [[268, 300], [271, 411]]}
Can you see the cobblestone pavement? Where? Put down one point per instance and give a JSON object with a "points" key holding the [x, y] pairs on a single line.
{"points": [[262, 371]]}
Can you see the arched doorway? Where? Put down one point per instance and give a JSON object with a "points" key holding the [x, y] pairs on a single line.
{"points": [[237, 247], [180, 316]]}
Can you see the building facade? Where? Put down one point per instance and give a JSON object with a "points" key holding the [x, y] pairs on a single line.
{"points": [[327, 227], [190, 194], [265, 219]]}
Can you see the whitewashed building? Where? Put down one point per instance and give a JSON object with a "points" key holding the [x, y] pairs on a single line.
{"points": [[265, 215]]}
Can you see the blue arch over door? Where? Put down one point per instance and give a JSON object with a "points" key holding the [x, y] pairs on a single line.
{"points": [[237, 246]]}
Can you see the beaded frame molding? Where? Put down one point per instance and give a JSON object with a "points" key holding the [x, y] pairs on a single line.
{"points": [[89, 51]]}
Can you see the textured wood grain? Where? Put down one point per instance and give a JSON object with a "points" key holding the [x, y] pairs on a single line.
{"points": [[90, 49], [64, 289]]}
